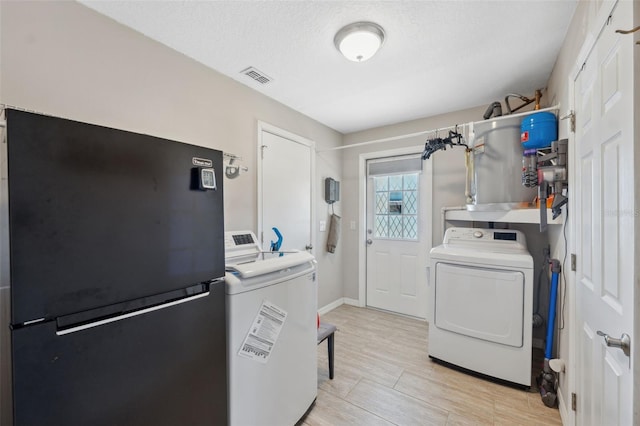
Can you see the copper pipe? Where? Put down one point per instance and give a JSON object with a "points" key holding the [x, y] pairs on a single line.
{"points": [[629, 31], [538, 95]]}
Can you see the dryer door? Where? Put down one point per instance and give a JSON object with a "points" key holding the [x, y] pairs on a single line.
{"points": [[484, 303]]}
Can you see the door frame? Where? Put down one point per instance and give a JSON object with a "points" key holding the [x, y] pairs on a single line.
{"points": [[274, 130], [362, 209], [566, 412]]}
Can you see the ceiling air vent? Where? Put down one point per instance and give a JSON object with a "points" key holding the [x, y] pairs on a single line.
{"points": [[258, 76]]}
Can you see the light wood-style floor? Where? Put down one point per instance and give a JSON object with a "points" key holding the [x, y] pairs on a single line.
{"points": [[383, 376]]}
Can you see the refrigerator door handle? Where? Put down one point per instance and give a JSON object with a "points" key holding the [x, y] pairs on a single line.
{"points": [[129, 315]]}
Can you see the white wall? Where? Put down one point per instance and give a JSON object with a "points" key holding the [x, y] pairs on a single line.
{"points": [[63, 59]]}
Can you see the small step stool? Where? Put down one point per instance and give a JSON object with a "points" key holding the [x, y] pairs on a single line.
{"points": [[325, 331]]}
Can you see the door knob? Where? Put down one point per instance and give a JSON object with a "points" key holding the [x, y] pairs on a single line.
{"points": [[369, 241], [624, 342]]}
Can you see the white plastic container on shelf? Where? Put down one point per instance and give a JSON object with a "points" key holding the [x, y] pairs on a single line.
{"points": [[496, 181]]}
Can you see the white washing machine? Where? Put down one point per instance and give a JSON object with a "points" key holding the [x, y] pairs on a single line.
{"points": [[481, 302], [271, 333]]}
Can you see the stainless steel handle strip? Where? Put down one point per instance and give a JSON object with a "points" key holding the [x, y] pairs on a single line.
{"points": [[129, 315], [624, 342]]}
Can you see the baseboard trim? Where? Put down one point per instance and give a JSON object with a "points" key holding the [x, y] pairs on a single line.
{"points": [[341, 301], [331, 306], [562, 407]]}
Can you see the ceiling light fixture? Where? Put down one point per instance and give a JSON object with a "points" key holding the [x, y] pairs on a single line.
{"points": [[359, 41]]}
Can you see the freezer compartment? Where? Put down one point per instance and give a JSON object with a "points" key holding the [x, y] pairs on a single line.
{"points": [[162, 365], [98, 216]]}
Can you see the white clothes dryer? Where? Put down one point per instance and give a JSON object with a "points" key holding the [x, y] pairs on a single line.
{"points": [[481, 302], [272, 300]]}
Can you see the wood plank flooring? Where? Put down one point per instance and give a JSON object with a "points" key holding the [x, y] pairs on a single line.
{"points": [[383, 376]]}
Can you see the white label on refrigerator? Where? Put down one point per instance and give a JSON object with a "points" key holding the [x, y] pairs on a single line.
{"points": [[264, 332]]}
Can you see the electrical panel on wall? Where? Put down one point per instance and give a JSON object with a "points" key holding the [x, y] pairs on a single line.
{"points": [[331, 190]]}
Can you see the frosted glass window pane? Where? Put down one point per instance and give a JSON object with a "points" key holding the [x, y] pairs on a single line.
{"points": [[410, 202], [410, 228], [396, 206], [395, 183], [381, 203], [381, 183], [410, 182], [382, 226], [395, 226]]}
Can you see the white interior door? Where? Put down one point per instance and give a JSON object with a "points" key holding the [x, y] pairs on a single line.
{"points": [[397, 239], [285, 188], [605, 224]]}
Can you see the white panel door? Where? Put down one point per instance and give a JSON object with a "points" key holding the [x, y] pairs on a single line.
{"points": [[605, 224], [397, 244], [286, 190]]}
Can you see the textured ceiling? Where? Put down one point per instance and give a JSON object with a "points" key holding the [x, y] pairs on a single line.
{"points": [[438, 56]]}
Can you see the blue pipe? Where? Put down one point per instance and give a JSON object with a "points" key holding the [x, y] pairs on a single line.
{"points": [[555, 268]]}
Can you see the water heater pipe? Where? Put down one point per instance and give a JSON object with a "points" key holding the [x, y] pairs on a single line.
{"points": [[468, 162]]}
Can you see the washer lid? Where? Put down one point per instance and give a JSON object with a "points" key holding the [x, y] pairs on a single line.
{"points": [[489, 256], [264, 263], [236, 283]]}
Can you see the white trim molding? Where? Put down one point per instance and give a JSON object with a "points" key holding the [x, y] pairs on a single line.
{"points": [[338, 302], [269, 128]]}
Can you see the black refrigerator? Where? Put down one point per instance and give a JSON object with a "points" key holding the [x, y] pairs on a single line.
{"points": [[116, 262]]}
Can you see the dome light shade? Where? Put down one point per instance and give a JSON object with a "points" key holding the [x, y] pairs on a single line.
{"points": [[359, 41]]}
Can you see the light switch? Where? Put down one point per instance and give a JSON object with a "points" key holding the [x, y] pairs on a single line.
{"points": [[323, 225], [352, 225]]}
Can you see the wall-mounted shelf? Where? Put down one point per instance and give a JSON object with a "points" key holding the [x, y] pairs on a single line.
{"points": [[531, 215]]}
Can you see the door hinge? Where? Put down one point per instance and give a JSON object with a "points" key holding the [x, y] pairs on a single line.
{"points": [[573, 262], [573, 401], [571, 115]]}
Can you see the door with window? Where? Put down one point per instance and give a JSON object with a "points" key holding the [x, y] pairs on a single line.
{"points": [[397, 235]]}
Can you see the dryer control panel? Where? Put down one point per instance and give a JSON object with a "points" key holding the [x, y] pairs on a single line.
{"points": [[505, 238]]}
